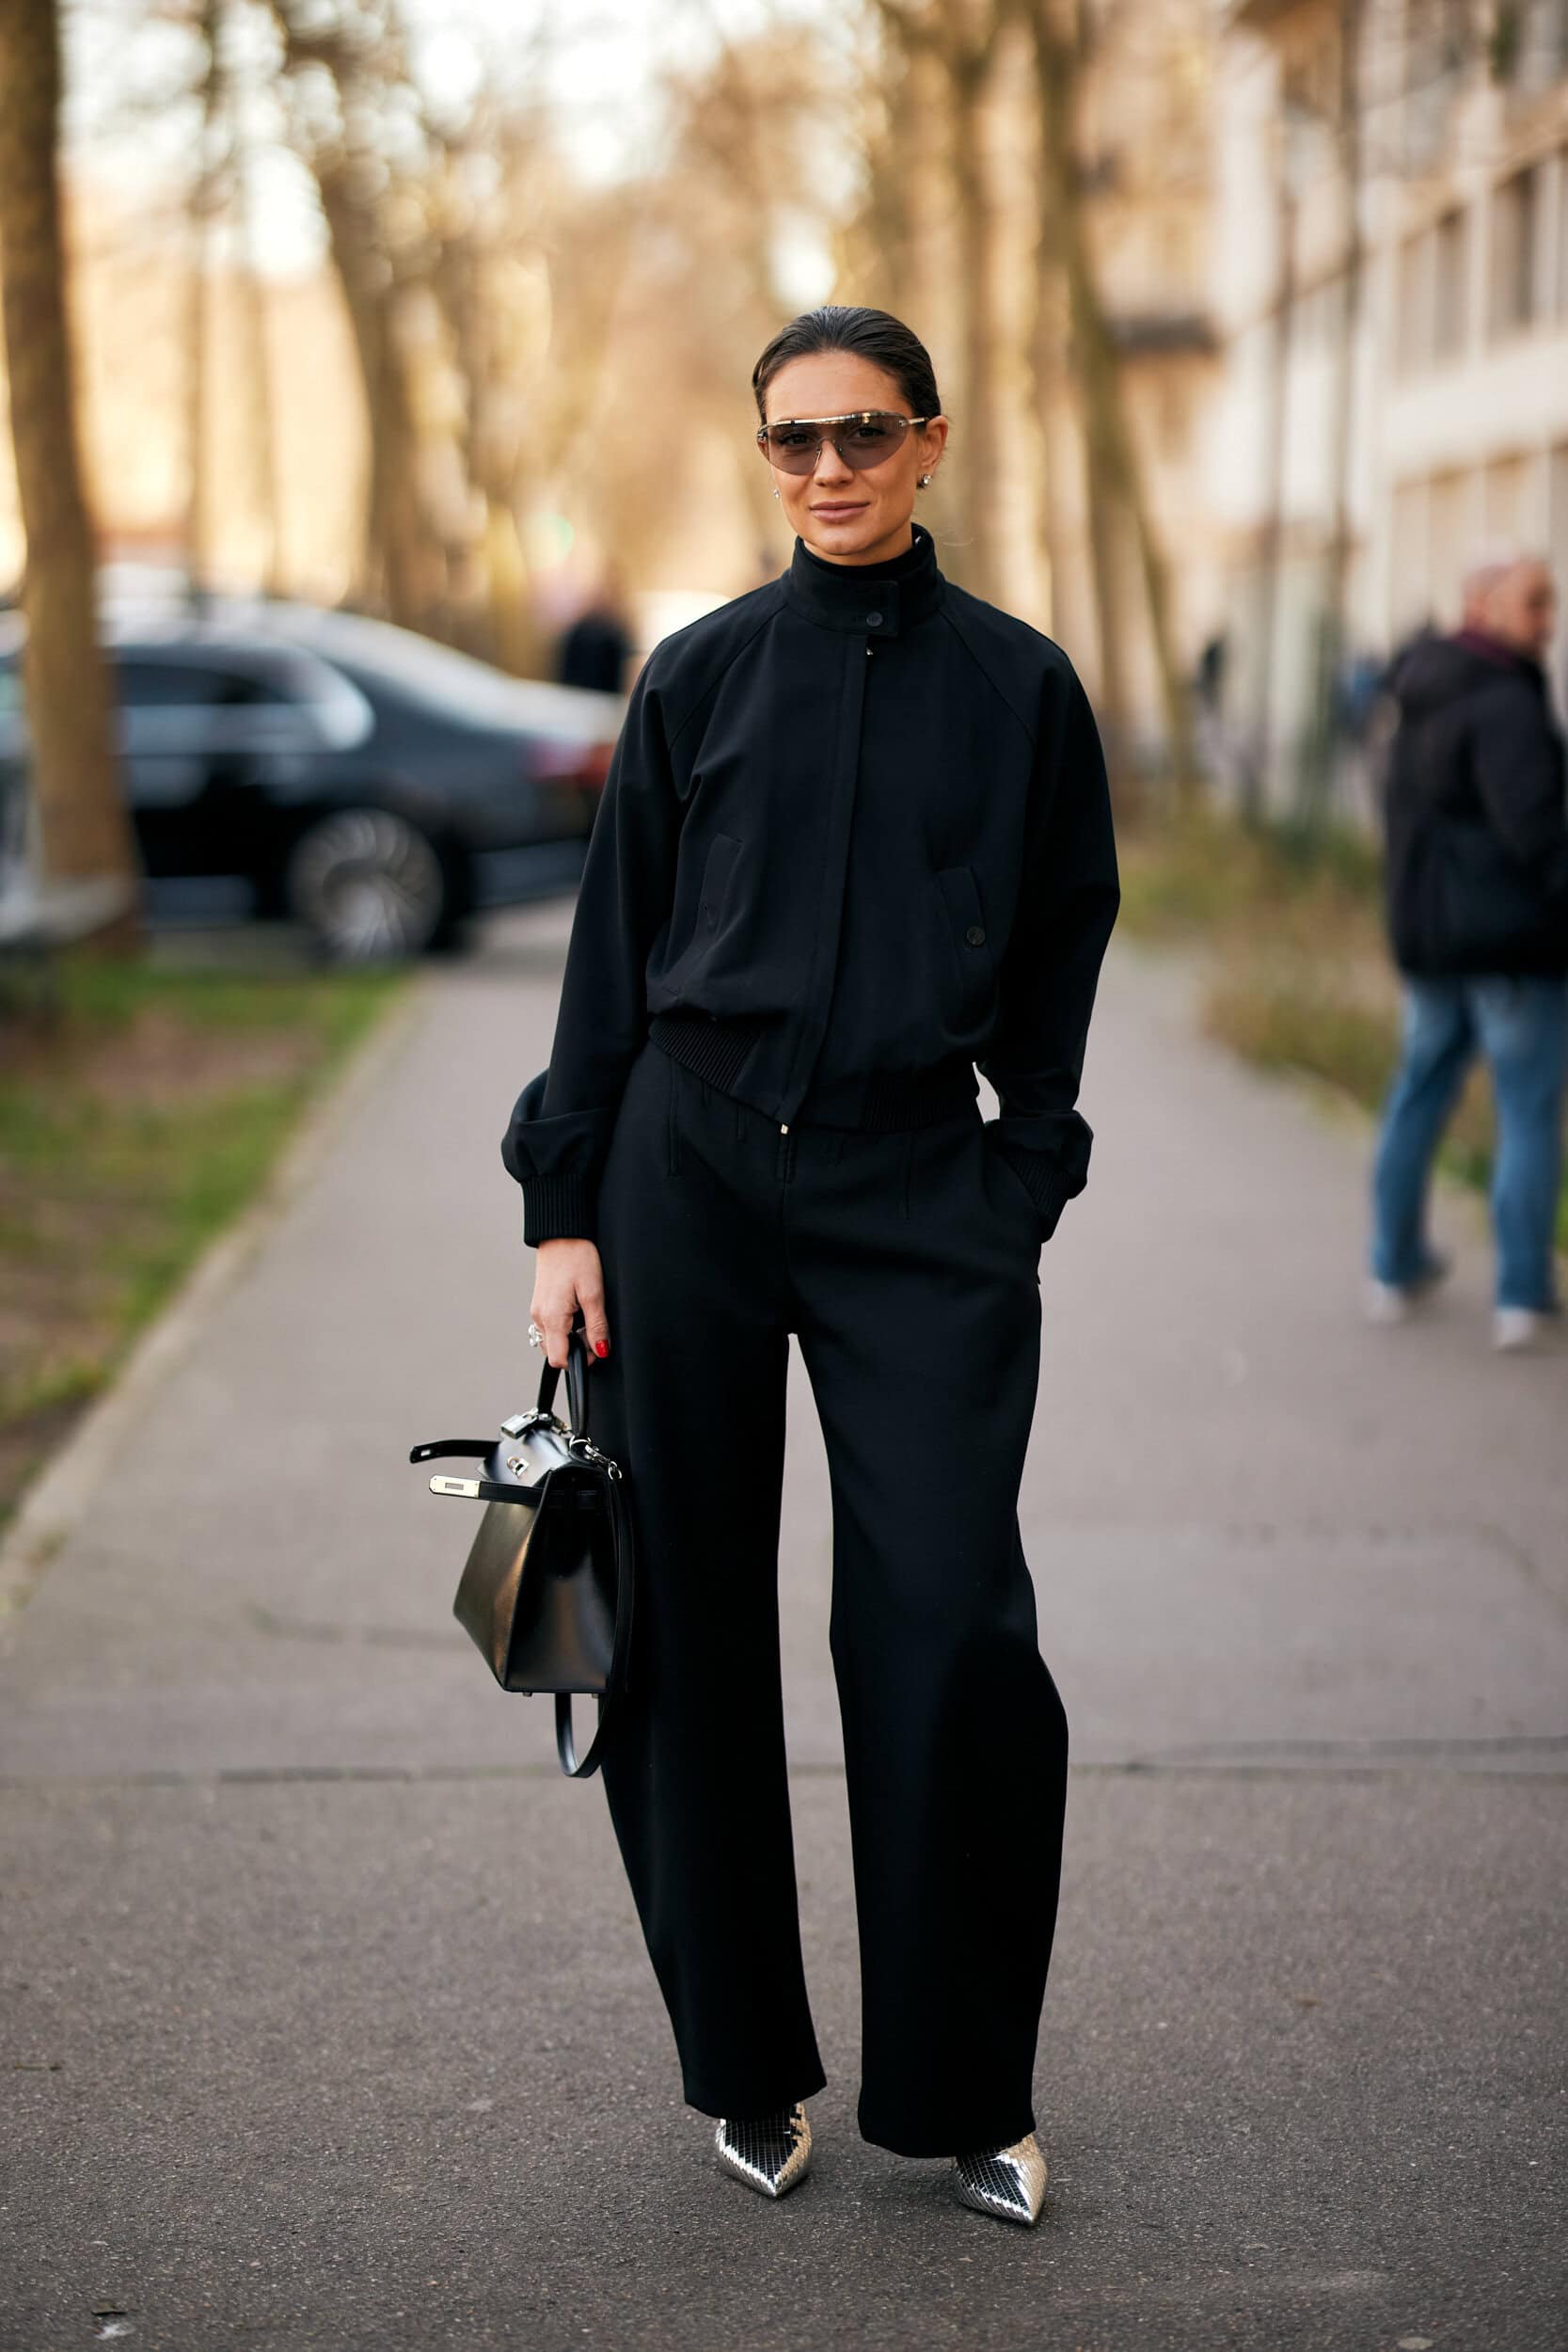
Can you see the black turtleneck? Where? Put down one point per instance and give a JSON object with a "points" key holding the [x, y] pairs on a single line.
{"points": [[854, 845], [897, 593], [907, 559]]}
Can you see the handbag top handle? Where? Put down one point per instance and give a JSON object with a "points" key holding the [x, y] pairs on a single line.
{"points": [[576, 1382]]}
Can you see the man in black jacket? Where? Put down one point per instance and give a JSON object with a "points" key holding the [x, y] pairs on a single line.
{"points": [[1477, 899]]}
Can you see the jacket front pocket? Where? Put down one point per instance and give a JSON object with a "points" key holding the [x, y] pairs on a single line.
{"points": [[966, 932]]}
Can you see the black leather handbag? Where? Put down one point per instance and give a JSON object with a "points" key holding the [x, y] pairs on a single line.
{"points": [[547, 1588]]}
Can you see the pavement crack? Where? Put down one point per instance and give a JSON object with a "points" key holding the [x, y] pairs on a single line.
{"points": [[1228, 1753], [1455, 1759], [284, 1628]]}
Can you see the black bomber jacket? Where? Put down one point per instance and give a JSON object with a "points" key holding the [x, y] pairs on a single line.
{"points": [[855, 841]]}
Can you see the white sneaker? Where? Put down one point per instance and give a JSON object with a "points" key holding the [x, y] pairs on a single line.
{"points": [[1516, 1328], [1386, 1302], [1392, 1302]]}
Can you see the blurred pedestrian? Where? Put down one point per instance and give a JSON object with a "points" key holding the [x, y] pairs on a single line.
{"points": [[594, 650], [1209, 677], [855, 842], [1477, 899], [1358, 686]]}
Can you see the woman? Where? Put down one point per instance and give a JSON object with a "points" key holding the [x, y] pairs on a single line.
{"points": [[855, 839]]}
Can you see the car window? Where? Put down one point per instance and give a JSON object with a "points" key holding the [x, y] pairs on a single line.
{"points": [[144, 684], [415, 668], [13, 734], [186, 702], [426, 683]]}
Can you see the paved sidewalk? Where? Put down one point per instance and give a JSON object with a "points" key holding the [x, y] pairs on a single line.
{"points": [[326, 2022]]}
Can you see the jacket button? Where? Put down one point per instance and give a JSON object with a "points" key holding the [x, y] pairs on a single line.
{"points": [[976, 935], [784, 1129], [873, 620]]}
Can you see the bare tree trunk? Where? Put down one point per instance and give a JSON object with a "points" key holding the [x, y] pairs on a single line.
{"points": [[399, 560], [1111, 614], [1337, 563], [1259, 756], [963, 40], [495, 456], [404, 565], [1114, 472], [894, 155], [968, 71], [205, 197], [1048, 370], [83, 828], [260, 389], [1055, 67]]}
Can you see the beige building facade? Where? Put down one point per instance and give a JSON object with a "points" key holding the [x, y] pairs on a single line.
{"points": [[1390, 287]]}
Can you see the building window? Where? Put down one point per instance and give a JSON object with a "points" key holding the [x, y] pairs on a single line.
{"points": [[1516, 237], [1505, 501], [1530, 43], [1411, 348], [1453, 519], [1410, 587], [1432, 297], [1449, 289], [1438, 46], [1319, 317]]}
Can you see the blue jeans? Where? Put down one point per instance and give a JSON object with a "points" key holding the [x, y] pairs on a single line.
{"points": [[1521, 1025]]}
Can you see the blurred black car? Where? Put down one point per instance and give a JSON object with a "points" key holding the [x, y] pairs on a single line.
{"points": [[374, 786]]}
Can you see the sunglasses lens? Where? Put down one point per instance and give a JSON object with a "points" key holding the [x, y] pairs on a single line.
{"points": [[793, 448], [869, 440]]}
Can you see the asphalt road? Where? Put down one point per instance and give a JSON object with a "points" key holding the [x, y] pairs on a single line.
{"points": [[325, 2020]]}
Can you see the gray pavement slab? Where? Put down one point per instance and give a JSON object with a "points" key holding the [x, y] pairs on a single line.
{"points": [[336, 2026], [358, 2062]]}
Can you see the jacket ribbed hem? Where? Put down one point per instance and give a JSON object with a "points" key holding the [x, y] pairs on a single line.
{"points": [[557, 1208], [1043, 1180], [714, 1049]]}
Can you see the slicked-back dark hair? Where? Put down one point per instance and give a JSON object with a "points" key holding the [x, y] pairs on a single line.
{"points": [[874, 335]]}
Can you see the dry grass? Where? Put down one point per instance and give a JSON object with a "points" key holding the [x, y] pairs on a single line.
{"points": [[135, 1120], [1298, 972]]}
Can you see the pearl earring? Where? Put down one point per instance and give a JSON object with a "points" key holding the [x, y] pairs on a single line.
{"points": [[775, 489], [924, 479]]}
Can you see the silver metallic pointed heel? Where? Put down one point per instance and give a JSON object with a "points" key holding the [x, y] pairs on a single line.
{"points": [[770, 2152], [1009, 2183]]}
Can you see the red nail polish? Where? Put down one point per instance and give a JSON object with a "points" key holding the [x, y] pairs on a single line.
{"points": [[601, 1347]]}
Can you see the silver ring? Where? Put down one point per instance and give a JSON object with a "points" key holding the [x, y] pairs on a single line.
{"points": [[535, 1337]]}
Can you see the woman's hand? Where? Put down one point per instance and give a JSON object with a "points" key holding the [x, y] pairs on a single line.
{"points": [[567, 1275]]}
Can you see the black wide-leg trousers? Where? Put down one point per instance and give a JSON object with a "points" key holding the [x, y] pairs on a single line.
{"points": [[905, 1262]]}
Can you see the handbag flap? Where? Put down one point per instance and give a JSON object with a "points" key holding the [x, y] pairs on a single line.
{"points": [[563, 1631], [529, 1457], [537, 1593]]}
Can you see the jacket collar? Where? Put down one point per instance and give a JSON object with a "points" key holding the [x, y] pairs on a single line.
{"points": [[857, 597], [1498, 651]]}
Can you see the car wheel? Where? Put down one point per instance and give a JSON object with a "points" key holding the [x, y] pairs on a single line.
{"points": [[368, 885]]}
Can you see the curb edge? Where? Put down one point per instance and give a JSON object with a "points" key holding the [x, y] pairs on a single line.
{"points": [[58, 1497]]}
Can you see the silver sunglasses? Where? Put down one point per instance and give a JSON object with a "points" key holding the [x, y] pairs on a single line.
{"points": [[864, 437]]}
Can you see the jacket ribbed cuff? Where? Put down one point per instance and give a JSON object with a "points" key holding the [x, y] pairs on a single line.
{"points": [[557, 1208], [1043, 1180]]}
